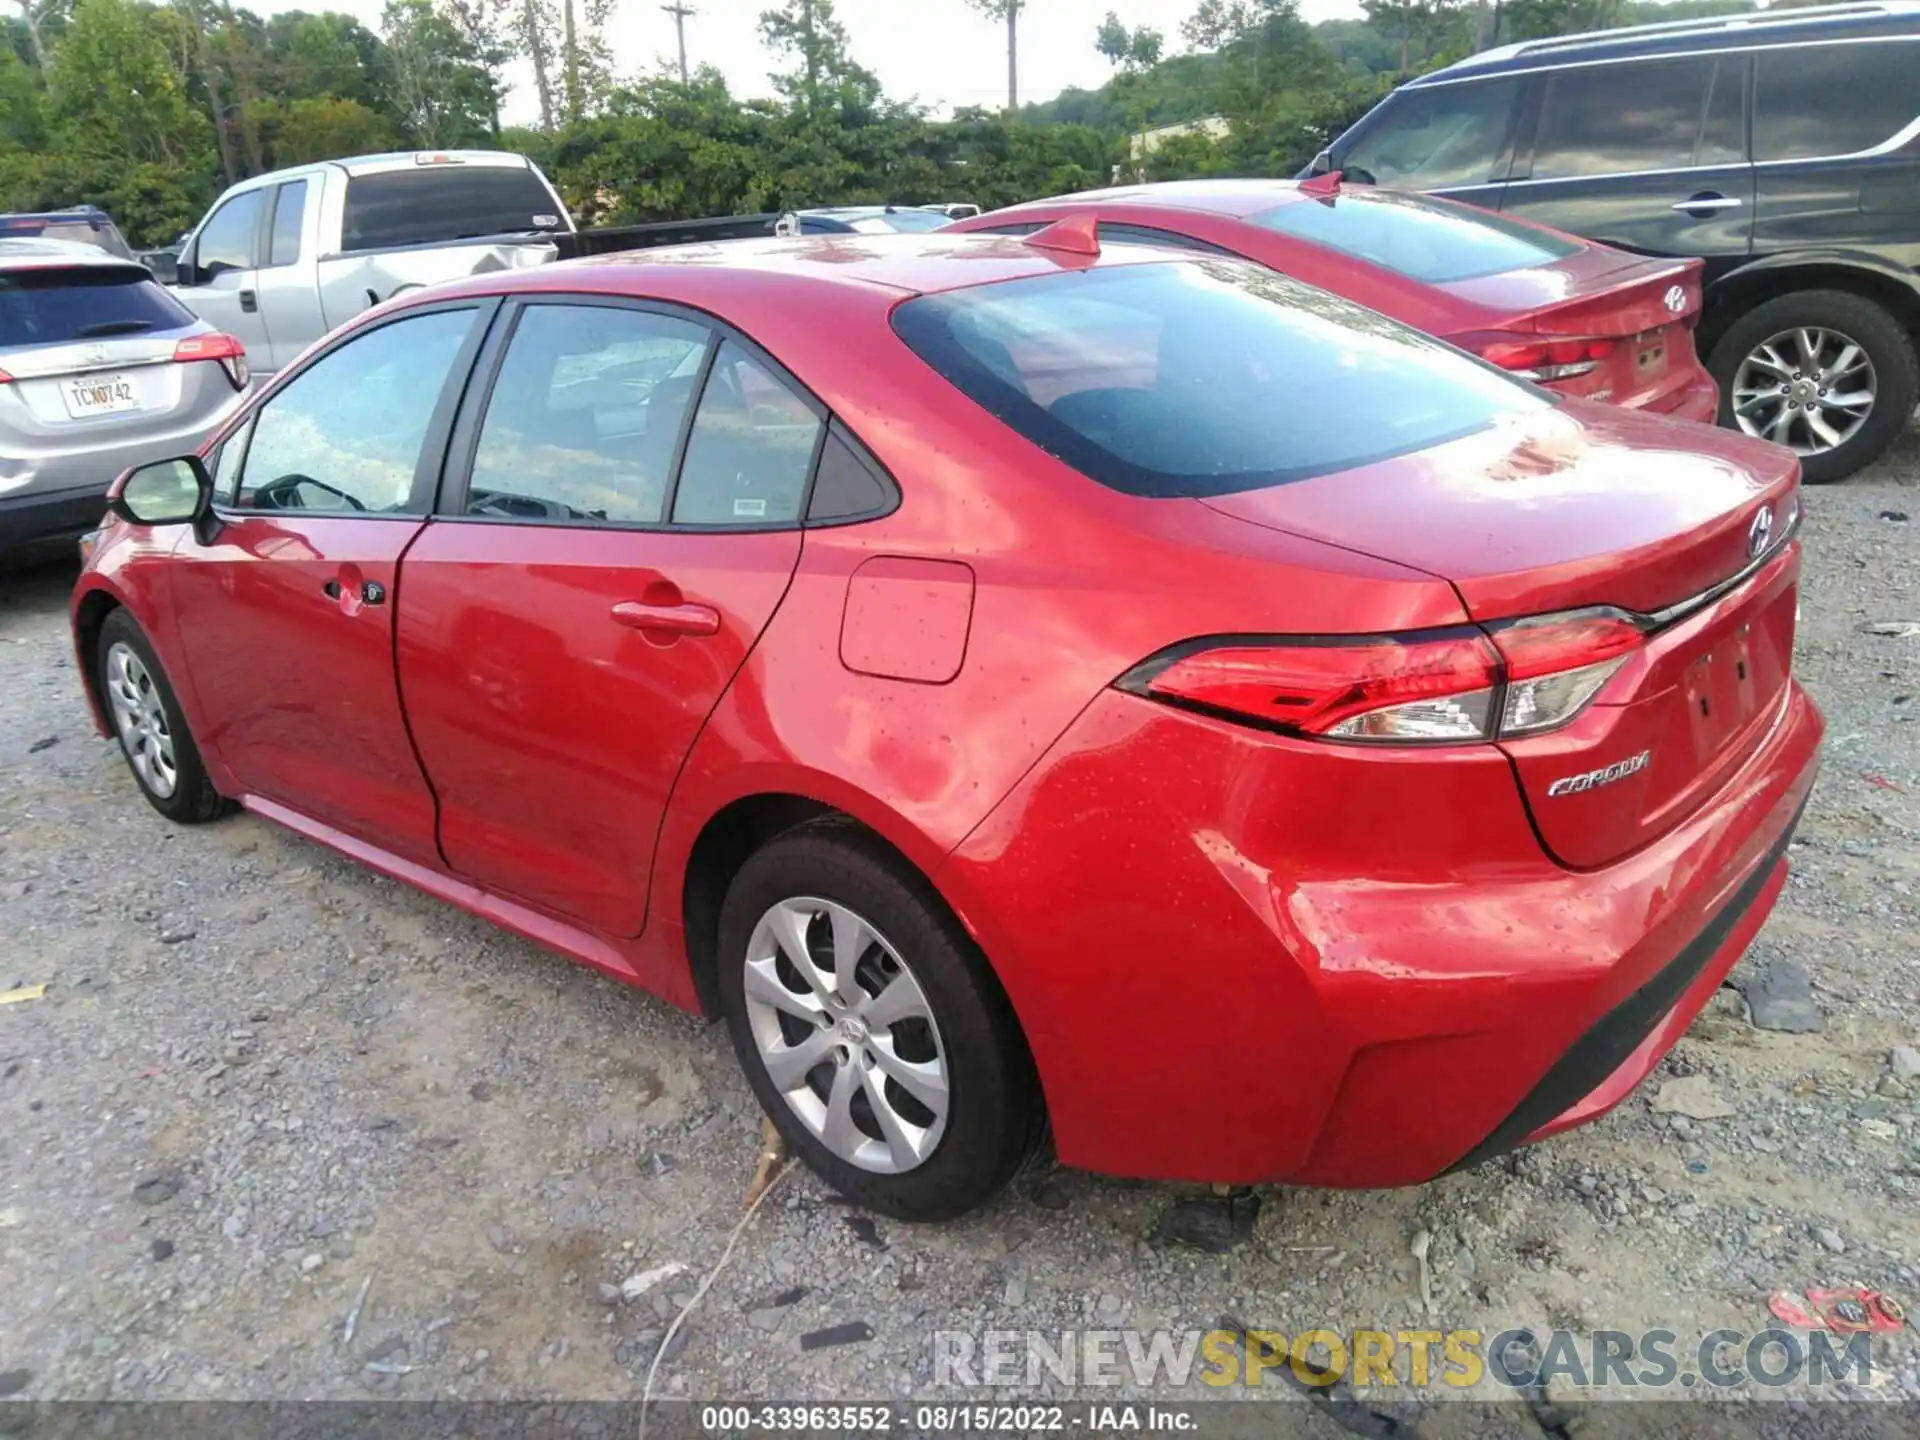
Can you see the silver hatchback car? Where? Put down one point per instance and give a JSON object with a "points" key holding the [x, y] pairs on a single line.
{"points": [[100, 369]]}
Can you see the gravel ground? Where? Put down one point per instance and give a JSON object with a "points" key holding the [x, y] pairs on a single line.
{"points": [[261, 1078]]}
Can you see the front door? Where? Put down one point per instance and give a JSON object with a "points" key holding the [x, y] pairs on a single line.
{"points": [[286, 617], [219, 271], [1650, 156], [571, 617]]}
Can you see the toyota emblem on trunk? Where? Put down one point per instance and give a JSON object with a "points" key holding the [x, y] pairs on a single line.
{"points": [[1676, 298], [1759, 532]]}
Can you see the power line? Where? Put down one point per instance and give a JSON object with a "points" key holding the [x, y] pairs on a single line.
{"points": [[680, 10]]}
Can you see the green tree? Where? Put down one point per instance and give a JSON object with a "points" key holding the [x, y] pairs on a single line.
{"points": [[443, 95], [822, 69], [1007, 11], [1128, 50]]}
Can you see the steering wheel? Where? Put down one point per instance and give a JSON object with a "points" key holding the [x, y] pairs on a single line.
{"points": [[287, 487]]}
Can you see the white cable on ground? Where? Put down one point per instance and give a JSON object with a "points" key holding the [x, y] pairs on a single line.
{"points": [[646, 1395]]}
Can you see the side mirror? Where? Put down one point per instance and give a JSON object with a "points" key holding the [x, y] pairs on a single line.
{"points": [[184, 272], [167, 492]]}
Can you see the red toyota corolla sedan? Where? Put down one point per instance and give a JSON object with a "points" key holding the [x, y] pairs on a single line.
{"points": [[1576, 316], [1008, 684]]}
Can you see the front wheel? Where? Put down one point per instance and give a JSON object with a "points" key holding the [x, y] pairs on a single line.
{"points": [[870, 1028], [1829, 374], [153, 734]]}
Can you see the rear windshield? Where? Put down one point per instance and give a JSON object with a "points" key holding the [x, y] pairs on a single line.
{"points": [[76, 230], [425, 203], [50, 306], [1435, 241], [1202, 377]]}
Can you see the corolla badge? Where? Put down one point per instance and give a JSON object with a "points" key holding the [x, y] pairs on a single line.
{"points": [[1760, 532], [1676, 298], [1605, 775]]}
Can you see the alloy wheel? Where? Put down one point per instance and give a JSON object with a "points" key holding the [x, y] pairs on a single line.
{"points": [[846, 1034], [141, 718], [1809, 388]]}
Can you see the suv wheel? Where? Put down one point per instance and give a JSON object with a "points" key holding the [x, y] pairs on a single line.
{"points": [[1829, 374], [870, 1028]]}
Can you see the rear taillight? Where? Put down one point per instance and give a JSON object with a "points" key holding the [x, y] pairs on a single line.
{"points": [[1434, 687], [1543, 359], [216, 345]]}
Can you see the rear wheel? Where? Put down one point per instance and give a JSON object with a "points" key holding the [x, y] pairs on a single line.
{"points": [[870, 1028], [153, 734], [1829, 374]]}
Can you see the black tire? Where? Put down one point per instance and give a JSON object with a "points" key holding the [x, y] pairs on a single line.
{"points": [[1883, 338], [995, 1118], [193, 800]]}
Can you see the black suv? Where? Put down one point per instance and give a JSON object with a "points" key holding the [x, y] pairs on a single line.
{"points": [[1783, 148]]}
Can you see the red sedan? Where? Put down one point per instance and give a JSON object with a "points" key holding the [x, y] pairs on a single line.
{"points": [[1006, 683], [1576, 316]]}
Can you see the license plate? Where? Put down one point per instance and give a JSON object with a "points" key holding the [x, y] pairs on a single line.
{"points": [[99, 395]]}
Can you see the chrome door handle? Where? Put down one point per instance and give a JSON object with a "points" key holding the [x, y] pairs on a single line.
{"points": [[1708, 202]]}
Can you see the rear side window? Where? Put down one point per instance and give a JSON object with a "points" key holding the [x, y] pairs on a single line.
{"points": [[1833, 99], [1202, 377], [425, 203], [1613, 119], [1427, 239], [750, 450], [1429, 139], [289, 208], [585, 416], [47, 307]]}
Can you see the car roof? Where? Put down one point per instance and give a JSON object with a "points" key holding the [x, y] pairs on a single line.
{"points": [[34, 254], [893, 265], [1866, 20], [1238, 198], [428, 160]]}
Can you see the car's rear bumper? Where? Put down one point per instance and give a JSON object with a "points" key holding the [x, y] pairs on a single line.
{"points": [[1243, 958], [42, 526], [1690, 395], [49, 497]]}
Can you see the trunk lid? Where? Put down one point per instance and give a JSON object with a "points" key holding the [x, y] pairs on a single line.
{"points": [[1638, 315], [1587, 506]]}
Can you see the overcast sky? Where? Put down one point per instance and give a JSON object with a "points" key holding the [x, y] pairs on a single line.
{"points": [[943, 52]]}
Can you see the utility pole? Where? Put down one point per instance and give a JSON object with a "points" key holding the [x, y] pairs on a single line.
{"points": [[680, 10]]}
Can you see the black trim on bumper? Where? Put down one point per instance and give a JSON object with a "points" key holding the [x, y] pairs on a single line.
{"points": [[37, 525], [1617, 1034]]}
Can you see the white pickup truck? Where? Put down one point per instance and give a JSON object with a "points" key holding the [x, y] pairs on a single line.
{"points": [[281, 259]]}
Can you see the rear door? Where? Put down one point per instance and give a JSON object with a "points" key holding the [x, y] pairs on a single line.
{"points": [[286, 614], [1836, 140], [289, 297], [220, 269], [1648, 155], [621, 520]]}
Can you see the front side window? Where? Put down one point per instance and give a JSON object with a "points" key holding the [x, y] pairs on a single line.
{"points": [[750, 450], [1435, 137], [226, 240], [344, 436], [1428, 239], [1202, 377], [585, 415], [1816, 100], [1616, 119]]}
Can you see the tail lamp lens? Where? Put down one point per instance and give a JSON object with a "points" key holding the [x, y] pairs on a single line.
{"points": [[1542, 359], [215, 345], [1437, 687]]}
